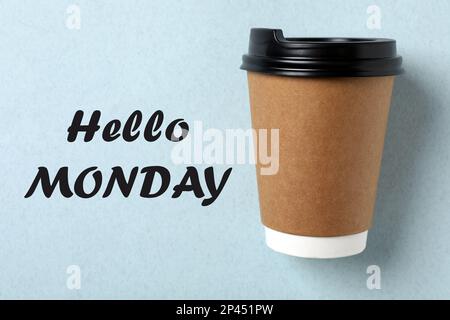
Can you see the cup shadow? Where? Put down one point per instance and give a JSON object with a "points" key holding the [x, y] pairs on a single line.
{"points": [[409, 122]]}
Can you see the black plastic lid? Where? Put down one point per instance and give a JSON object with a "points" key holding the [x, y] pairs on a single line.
{"points": [[270, 52]]}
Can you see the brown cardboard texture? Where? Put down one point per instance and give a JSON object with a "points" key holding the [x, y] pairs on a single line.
{"points": [[331, 140]]}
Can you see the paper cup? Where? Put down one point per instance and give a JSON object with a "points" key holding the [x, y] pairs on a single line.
{"points": [[330, 100]]}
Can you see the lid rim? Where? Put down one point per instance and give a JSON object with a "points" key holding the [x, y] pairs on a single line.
{"points": [[270, 52]]}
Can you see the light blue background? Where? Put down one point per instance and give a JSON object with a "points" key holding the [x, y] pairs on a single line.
{"points": [[184, 57]]}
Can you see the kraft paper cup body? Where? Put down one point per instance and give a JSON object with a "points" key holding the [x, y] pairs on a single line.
{"points": [[331, 132], [329, 98]]}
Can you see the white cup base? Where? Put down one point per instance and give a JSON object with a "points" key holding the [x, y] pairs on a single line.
{"points": [[316, 247]]}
